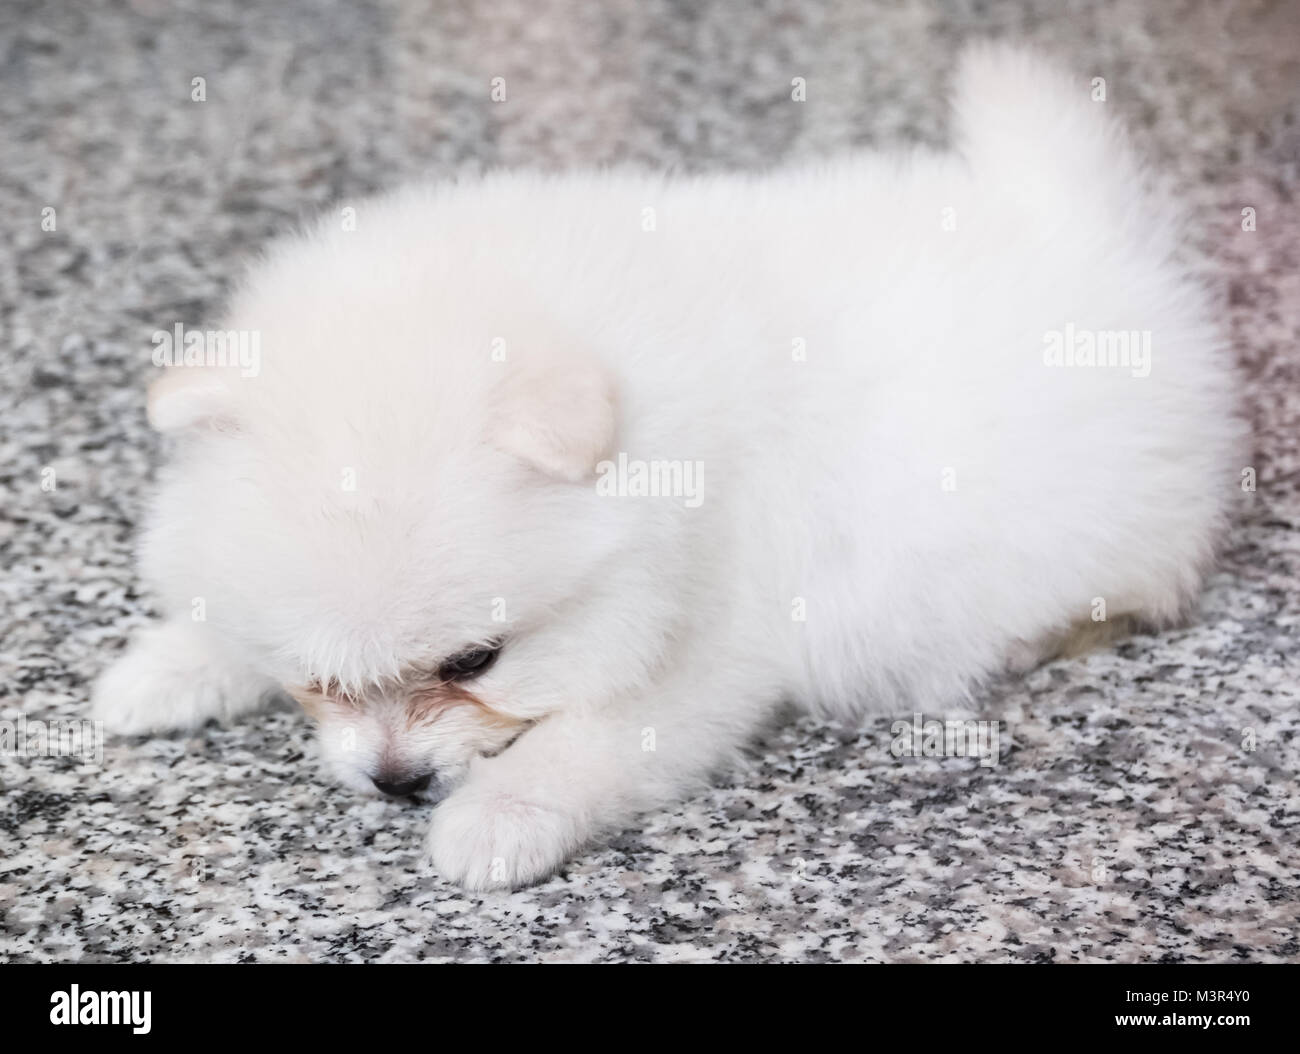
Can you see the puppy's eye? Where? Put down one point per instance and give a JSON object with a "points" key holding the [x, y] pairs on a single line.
{"points": [[469, 664]]}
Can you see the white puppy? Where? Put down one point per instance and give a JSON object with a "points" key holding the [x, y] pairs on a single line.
{"points": [[549, 490]]}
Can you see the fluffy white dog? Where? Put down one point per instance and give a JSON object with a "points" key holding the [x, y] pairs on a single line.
{"points": [[547, 490]]}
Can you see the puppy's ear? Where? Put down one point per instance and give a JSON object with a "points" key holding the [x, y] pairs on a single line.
{"points": [[556, 412], [189, 397]]}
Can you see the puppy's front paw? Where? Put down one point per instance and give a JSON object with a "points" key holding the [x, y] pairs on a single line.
{"points": [[490, 838], [171, 678]]}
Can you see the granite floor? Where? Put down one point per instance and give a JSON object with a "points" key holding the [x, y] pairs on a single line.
{"points": [[1129, 821]]}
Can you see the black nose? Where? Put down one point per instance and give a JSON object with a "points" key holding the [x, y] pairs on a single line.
{"points": [[403, 788]]}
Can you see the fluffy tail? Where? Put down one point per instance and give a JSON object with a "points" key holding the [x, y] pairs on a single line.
{"points": [[1045, 135]]}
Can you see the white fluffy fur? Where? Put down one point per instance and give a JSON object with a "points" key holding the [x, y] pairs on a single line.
{"points": [[633, 622]]}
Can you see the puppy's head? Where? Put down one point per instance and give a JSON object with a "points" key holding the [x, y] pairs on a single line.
{"points": [[388, 515]]}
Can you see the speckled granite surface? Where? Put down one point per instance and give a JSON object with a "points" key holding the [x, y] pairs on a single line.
{"points": [[1127, 823]]}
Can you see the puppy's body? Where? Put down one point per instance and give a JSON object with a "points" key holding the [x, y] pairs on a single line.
{"points": [[899, 496]]}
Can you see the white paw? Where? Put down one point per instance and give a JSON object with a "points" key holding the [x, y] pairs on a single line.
{"points": [[170, 679], [1024, 656], [490, 838]]}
